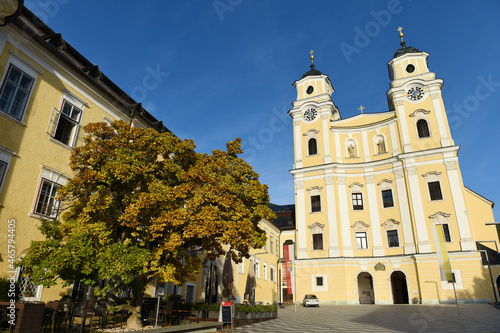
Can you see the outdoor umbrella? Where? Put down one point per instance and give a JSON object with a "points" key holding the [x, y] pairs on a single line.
{"points": [[227, 277], [251, 284]]}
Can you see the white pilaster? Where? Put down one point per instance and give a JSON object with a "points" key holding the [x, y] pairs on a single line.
{"points": [[378, 248], [445, 141], [298, 143], [458, 201], [344, 218], [301, 220], [404, 126], [366, 147], [333, 250], [326, 141], [404, 210], [338, 148], [394, 140], [418, 211]]}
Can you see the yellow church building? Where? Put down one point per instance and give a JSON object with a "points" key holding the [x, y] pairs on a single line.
{"points": [[371, 189]]}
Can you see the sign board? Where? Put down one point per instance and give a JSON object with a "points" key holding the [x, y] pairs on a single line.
{"points": [[226, 311]]}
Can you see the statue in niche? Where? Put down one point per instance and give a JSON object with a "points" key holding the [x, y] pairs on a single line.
{"points": [[351, 149], [381, 146]]}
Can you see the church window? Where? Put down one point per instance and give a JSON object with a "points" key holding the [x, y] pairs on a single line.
{"points": [[435, 190], [319, 281], [361, 240], [392, 238], [423, 128], [313, 146], [410, 68], [388, 201], [317, 241], [357, 201], [310, 90], [446, 232], [16, 89], [315, 203]]}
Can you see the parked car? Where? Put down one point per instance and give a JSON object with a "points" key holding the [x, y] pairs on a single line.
{"points": [[310, 300]]}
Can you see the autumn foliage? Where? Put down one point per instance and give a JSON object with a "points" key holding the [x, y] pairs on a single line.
{"points": [[139, 200]]}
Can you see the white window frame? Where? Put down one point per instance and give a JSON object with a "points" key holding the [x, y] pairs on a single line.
{"points": [[385, 185], [312, 134], [271, 243], [190, 284], [431, 177], [459, 284], [50, 175], [55, 118], [257, 268], [28, 69], [272, 272], [241, 266], [39, 288], [265, 244], [418, 115], [5, 157], [315, 191], [357, 188], [391, 225], [264, 268], [314, 280], [317, 229]]}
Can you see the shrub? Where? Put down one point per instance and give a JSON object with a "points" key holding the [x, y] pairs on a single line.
{"points": [[5, 289]]}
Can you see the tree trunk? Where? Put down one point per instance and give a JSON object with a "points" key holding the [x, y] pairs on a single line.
{"points": [[134, 320]]}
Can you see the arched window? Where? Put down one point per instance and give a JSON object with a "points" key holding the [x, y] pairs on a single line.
{"points": [[313, 146], [423, 129]]}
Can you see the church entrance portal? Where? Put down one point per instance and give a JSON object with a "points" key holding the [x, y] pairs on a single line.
{"points": [[399, 288], [365, 288]]}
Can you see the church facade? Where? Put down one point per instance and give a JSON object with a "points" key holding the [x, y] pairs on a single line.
{"points": [[373, 191]]}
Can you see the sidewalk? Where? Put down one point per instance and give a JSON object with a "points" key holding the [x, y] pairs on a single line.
{"points": [[202, 326]]}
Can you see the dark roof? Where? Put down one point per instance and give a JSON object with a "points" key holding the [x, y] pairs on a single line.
{"points": [[312, 72], [405, 50], [285, 216], [54, 43]]}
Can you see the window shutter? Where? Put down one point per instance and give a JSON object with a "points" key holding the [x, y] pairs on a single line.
{"points": [[80, 136], [54, 120]]}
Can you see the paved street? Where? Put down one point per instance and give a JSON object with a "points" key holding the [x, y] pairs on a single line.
{"points": [[383, 318]]}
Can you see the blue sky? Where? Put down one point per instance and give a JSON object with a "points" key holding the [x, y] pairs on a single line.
{"points": [[224, 69]]}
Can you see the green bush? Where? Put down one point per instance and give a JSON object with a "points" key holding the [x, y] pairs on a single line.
{"points": [[255, 308]]}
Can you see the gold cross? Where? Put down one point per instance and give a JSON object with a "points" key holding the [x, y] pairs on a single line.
{"points": [[361, 108], [312, 56], [400, 33]]}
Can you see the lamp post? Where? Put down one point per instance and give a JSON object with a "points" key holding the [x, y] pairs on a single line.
{"points": [[497, 304]]}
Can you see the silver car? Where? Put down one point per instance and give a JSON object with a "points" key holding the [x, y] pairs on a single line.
{"points": [[310, 300]]}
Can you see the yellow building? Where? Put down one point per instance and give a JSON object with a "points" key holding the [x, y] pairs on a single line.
{"points": [[48, 92], [370, 190], [266, 267]]}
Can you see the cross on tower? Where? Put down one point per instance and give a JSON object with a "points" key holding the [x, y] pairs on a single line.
{"points": [[361, 108]]}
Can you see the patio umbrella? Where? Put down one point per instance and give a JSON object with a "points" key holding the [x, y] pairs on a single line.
{"points": [[227, 277], [251, 283]]}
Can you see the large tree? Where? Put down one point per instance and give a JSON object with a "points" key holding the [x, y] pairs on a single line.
{"points": [[139, 200]]}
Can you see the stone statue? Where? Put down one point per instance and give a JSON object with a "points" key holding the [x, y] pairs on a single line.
{"points": [[380, 146], [352, 150]]}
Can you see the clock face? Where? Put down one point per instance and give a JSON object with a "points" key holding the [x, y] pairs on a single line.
{"points": [[310, 114], [415, 93]]}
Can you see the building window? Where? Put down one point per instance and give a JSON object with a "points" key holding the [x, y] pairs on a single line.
{"points": [[3, 169], [357, 201], [257, 269], [315, 203], [435, 190], [241, 265], [387, 198], [317, 241], [319, 281], [423, 128], [46, 203], [392, 238], [265, 270], [66, 124], [271, 243], [271, 274], [312, 144], [446, 232], [361, 240], [277, 247], [15, 92]]}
